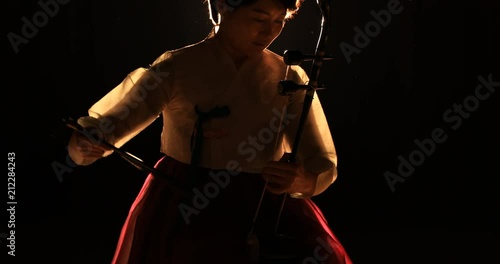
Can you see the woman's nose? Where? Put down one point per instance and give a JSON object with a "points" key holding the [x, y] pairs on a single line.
{"points": [[267, 30]]}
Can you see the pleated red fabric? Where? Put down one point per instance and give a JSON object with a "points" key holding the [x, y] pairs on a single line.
{"points": [[211, 224]]}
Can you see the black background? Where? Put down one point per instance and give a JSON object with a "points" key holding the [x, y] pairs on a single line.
{"points": [[395, 91]]}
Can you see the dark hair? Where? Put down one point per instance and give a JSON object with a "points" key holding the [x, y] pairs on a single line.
{"points": [[292, 7]]}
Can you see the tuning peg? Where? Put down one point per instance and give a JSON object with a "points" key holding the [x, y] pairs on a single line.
{"points": [[321, 88], [296, 57], [287, 87]]}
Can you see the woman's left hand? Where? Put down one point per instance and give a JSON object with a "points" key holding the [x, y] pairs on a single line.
{"points": [[287, 177]]}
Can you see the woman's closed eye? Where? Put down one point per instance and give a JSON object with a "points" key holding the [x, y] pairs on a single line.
{"points": [[259, 20]]}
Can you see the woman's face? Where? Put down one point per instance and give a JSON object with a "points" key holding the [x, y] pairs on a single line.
{"points": [[250, 29]]}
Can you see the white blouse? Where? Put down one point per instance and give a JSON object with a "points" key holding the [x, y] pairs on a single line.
{"points": [[261, 125]]}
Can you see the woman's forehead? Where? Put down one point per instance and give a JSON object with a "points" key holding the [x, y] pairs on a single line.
{"points": [[268, 6], [268, 12]]}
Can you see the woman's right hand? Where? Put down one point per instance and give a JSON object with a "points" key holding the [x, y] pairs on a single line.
{"points": [[84, 150]]}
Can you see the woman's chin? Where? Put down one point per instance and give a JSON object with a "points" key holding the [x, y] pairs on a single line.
{"points": [[259, 45], [255, 50]]}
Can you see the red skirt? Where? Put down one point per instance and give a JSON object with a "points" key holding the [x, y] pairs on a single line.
{"points": [[212, 223]]}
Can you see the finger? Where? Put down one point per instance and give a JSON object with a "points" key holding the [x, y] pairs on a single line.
{"points": [[91, 152], [276, 172], [275, 188], [87, 149], [86, 145], [85, 141], [283, 181], [282, 165]]}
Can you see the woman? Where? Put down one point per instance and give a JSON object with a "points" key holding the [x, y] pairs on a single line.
{"points": [[226, 135]]}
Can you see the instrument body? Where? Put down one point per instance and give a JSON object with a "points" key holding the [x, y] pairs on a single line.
{"points": [[280, 248]]}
